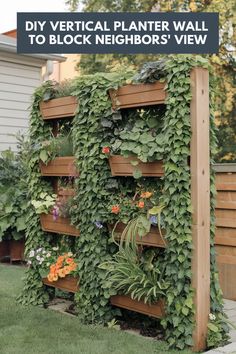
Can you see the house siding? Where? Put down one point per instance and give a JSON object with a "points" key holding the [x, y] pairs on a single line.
{"points": [[18, 80]]}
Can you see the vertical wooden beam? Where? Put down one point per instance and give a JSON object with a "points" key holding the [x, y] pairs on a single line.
{"points": [[200, 194]]}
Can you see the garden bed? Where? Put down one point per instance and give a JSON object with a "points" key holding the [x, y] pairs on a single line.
{"points": [[60, 225], [60, 166], [63, 107], [66, 284], [131, 96], [125, 301], [153, 238], [121, 166]]}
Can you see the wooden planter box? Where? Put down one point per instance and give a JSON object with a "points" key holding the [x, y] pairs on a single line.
{"points": [[59, 226], [121, 166], [4, 249], [67, 284], [17, 249], [153, 238], [63, 107], [60, 166], [155, 310], [131, 96]]}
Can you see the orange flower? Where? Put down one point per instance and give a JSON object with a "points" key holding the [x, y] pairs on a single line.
{"points": [[146, 195], [115, 209], [106, 150], [141, 204], [50, 277], [69, 260], [62, 273], [67, 270]]}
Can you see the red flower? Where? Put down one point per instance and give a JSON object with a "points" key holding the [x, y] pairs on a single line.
{"points": [[115, 209], [106, 150], [141, 204]]}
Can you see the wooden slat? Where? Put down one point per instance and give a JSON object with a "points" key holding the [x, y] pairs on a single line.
{"points": [[60, 166], [124, 301], [226, 205], [59, 226], [131, 96], [66, 284], [153, 238], [226, 186], [225, 236], [57, 108], [227, 276], [226, 222], [200, 194]]}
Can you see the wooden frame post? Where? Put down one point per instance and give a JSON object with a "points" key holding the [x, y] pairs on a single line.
{"points": [[200, 194]]}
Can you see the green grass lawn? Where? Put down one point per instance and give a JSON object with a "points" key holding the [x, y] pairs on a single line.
{"points": [[32, 330]]}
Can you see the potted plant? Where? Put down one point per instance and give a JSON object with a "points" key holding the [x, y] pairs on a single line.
{"points": [[136, 145], [13, 206], [148, 93], [137, 218], [57, 270], [58, 101], [56, 156], [54, 214], [137, 279]]}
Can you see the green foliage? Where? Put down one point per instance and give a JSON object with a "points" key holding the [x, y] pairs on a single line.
{"points": [[44, 203], [135, 275], [56, 146], [217, 327], [164, 273], [92, 195], [13, 190]]}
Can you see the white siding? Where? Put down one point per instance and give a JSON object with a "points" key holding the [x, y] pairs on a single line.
{"points": [[18, 80]]}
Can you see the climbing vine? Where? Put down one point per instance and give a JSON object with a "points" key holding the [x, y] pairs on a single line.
{"points": [[95, 131]]}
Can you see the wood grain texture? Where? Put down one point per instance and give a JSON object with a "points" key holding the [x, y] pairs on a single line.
{"points": [[60, 225], [57, 108], [121, 166], [124, 301], [68, 283], [141, 95], [200, 194], [153, 238], [60, 166]]}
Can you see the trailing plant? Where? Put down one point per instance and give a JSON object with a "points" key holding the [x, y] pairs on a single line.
{"points": [[218, 325], [44, 203], [134, 274], [136, 133], [53, 89], [60, 145], [97, 131]]}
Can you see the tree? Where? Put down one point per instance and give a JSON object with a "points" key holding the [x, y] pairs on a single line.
{"points": [[224, 62]]}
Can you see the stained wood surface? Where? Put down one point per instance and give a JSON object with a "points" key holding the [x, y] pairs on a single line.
{"points": [[60, 166], [57, 108], [131, 96], [155, 310], [121, 166], [60, 225], [225, 235], [200, 194], [66, 284], [153, 238]]}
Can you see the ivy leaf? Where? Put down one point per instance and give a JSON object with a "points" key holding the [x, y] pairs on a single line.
{"points": [[213, 327], [137, 174], [43, 156]]}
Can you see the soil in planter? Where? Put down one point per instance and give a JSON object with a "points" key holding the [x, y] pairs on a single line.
{"points": [[147, 326]]}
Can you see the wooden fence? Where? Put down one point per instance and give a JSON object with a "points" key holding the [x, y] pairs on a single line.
{"points": [[225, 239]]}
